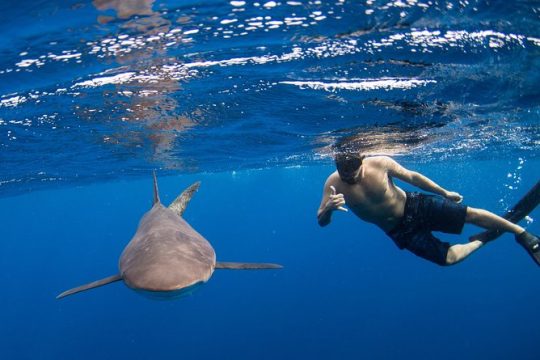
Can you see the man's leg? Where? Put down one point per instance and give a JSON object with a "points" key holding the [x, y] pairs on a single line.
{"points": [[459, 252], [486, 220], [490, 221]]}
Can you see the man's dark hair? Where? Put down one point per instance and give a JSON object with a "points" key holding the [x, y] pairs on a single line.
{"points": [[347, 164]]}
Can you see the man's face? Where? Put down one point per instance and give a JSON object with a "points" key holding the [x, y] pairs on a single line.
{"points": [[349, 168], [350, 177]]}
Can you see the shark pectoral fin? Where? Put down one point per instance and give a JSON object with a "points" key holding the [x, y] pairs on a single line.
{"points": [[180, 203], [246, 266], [91, 285]]}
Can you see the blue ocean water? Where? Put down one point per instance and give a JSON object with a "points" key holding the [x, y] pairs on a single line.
{"points": [[249, 97]]}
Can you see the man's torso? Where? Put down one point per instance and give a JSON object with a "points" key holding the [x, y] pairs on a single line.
{"points": [[374, 198]]}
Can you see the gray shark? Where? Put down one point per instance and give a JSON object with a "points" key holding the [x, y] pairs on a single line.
{"points": [[167, 257]]}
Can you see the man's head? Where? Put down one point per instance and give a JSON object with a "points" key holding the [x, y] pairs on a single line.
{"points": [[347, 166]]}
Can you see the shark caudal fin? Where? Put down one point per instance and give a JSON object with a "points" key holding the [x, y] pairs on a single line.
{"points": [[91, 285], [156, 190], [180, 203], [246, 266]]}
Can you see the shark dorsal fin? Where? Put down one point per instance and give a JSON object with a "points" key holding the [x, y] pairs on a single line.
{"points": [[156, 191], [180, 203]]}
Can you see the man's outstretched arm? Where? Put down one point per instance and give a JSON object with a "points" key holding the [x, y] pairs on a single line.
{"points": [[419, 180]]}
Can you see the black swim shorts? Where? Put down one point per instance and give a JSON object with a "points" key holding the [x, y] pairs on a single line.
{"points": [[424, 214]]}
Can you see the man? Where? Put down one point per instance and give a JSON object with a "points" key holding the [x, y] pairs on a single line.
{"points": [[366, 185]]}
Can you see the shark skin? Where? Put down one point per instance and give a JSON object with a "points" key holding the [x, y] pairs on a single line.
{"points": [[167, 258]]}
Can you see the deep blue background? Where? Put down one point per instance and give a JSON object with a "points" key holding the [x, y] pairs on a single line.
{"points": [[346, 290]]}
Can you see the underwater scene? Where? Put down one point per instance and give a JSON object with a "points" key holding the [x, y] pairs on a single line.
{"points": [[250, 98]]}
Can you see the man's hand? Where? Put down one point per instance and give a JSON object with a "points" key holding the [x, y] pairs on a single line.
{"points": [[335, 201], [454, 196]]}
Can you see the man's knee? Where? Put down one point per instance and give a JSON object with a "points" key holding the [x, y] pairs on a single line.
{"points": [[459, 252]]}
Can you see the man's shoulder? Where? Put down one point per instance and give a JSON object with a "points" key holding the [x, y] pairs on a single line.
{"points": [[377, 157], [332, 178], [378, 160]]}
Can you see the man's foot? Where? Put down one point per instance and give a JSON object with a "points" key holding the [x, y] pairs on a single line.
{"points": [[531, 244]]}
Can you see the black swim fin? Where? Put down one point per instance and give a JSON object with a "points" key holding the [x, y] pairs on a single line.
{"points": [[531, 244], [522, 208]]}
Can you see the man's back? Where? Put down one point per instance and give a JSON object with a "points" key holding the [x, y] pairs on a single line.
{"points": [[373, 197]]}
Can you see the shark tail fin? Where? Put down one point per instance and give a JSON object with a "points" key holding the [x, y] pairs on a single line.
{"points": [[246, 266], [156, 190], [180, 203], [91, 285]]}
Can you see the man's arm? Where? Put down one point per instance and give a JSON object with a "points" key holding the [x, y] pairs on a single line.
{"points": [[330, 202], [419, 180]]}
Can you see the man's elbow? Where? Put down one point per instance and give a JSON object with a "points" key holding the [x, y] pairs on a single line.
{"points": [[323, 221], [415, 178]]}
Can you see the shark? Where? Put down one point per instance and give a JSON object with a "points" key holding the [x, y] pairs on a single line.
{"points": [[167, 258]]}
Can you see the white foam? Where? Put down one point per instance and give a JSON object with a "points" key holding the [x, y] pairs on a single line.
{"points": [[365, 85], [13, 101], [270, 4], [117, 79], [64, 57], [29, 62], [427, 38], [535, 41], [228, 21]]}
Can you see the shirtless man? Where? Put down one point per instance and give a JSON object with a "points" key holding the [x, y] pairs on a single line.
{"points": [[366, 185]]}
